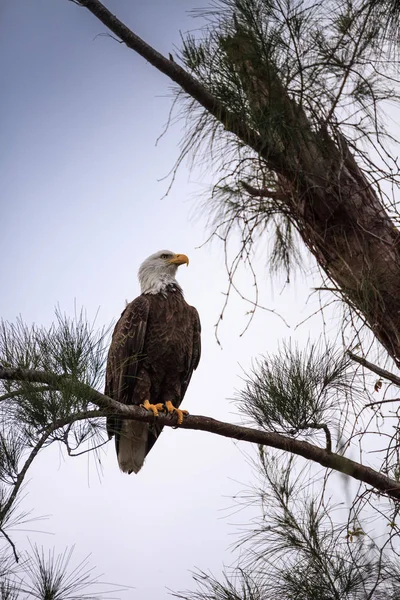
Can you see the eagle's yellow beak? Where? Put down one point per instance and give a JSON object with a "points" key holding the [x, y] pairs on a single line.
{"points": [[179, 259]]}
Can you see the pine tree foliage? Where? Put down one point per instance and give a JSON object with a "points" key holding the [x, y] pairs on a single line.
{"points": [[299, 547], [389, 25], [34, 415], [295, 390], [309, 82], [70, 349], [50, 576], [328, 60]]}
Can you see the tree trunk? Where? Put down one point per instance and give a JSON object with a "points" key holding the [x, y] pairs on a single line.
{"points": [[346, 227], [334, 207]]}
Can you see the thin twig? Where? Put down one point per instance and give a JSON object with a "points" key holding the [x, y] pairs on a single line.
{"points": [[46, 435], [323, 426], [9, 540], [21, 475], [382, 402], [16, 393]]}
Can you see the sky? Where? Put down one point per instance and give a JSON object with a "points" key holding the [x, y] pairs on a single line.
{"points": [[82, 205]]}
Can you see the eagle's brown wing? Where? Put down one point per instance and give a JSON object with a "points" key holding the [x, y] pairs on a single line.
{"points": [[124, 355], [193, 358]]}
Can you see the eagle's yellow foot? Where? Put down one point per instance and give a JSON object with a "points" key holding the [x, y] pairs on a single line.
{"points": [[153, 407], [179, 413]]}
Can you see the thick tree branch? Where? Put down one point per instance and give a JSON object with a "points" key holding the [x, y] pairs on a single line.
{"points": [[275, 440], [232, 122]]}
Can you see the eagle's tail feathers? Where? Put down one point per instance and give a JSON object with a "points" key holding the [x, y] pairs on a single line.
{"points": [[132, 447]]}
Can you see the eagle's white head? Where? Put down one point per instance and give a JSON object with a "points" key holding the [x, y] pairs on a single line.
{"points": [[157, 273]]}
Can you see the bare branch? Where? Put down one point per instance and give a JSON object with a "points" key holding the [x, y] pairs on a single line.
{"points": [[263, 192], [387, 401], [275, 440], [375, 369], [318, 426], [46, 434], [21, 475]]}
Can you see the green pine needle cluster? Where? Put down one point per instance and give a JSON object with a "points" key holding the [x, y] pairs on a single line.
{"points": [[295, 389], [70, 349], [50, 576], [73, 352]]}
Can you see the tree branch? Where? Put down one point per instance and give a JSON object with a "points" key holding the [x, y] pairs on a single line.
{"points": [[44, 388], [9, 540], [263, 192], [245, 434], [323, 426], [375, 369], [45, 436], [231, 121], [21, 475], [386, 401]]}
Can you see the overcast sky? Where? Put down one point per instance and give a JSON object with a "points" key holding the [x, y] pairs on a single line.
{"points": [[81, 208]]}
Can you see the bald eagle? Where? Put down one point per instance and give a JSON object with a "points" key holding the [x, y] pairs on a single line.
{"points": [[154, 350]]}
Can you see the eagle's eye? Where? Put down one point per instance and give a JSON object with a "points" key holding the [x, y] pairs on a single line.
{"points": [[165, 256]]}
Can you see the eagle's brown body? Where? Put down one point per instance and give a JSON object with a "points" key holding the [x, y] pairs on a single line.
{"points": [[155, 348]]}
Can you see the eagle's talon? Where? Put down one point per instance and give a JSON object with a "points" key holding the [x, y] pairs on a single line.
{"points": [[154, 408], [171, 409]]}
